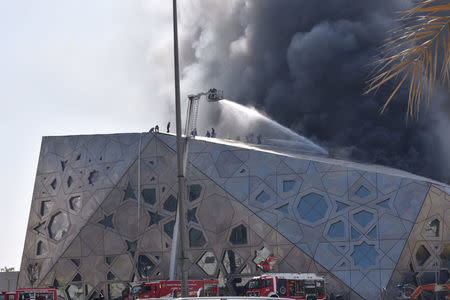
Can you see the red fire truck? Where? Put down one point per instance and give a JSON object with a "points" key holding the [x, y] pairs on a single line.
{"points": [[287, 285], [170, 288], [30, 294]]}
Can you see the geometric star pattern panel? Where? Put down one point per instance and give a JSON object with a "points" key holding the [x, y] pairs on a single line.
{"points": [[74, 176], [352, 221], [103, 215], [427, 249]]}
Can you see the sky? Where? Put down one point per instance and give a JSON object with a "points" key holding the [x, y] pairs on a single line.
{"points": [[106, 66], [74, 67]]}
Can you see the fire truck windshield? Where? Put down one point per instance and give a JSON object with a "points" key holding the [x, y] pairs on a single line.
{"points": [[136, 290], [255, 284]]}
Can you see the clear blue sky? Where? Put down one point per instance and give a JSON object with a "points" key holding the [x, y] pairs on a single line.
{"points": [[74, 67]]}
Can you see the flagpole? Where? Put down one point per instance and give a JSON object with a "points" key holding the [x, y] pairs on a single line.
{"points": [[181, 181]]}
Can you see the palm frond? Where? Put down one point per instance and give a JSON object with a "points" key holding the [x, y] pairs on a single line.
{"points": [[414, 52]]}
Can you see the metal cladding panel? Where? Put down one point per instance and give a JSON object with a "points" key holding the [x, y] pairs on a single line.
{"points": [[350, 221], [428, 245], [244, 207], [74, 176]]}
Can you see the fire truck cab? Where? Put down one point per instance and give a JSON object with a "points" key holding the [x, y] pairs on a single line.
{"points": [[30, 294], [170, 288], [288, 285]]}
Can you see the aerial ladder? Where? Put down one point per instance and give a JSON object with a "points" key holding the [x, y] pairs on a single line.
{"points": [[190, 131]]}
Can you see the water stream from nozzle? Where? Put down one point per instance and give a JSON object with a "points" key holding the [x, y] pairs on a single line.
{"points": [[249, 120]]}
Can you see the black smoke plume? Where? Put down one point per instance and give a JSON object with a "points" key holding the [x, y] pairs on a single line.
{"points": [[305, 64]]}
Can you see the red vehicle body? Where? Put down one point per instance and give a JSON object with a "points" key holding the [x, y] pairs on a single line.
{"points": [[287, 285], [30, 294], [170, 288]]}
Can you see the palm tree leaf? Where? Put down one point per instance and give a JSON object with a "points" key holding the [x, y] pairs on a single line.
{"points": [[414, 52]]}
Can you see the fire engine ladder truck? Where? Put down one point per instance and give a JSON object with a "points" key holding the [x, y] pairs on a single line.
{"points": [[190, 131]]}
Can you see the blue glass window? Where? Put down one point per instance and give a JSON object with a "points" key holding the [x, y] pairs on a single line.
{"points": [[445, 256], [168, 228], [40, 228], [171, 204], [384, 203], [337, 230], [107, 221], [422, 255], [363, 218], [364, 255], [40, 249], [53, 184], [58, 226], [77, 278], [427, 278], [373, 233], [432, 228], [76, 261], [75, 203], [191, 217], [288, 185], [196, 238], [340, 206], [63, 164], [154, 218], [263, 197], [362, 192], [144, 266], [312, 207], [239, 235], [131, 247], [109, 260], [45, 207], [354, 234], [93, 177], [194, 192], [284, 209], [149, 196], [129, 192], [110, 276]]}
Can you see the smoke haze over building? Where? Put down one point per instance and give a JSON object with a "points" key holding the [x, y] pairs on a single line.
{"points": [[305, 64]]}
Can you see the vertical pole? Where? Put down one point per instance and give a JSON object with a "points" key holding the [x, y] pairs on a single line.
{"points": [[181, 182], [436, 275]]}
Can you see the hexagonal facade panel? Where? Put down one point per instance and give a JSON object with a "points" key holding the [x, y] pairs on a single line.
{"points": [[58, 226], [312, 207], [248, 210]]}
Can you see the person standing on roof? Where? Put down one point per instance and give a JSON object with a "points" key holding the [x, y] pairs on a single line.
{"points": [[156, 128], [213, 132], [168, 127], [259, 139]]}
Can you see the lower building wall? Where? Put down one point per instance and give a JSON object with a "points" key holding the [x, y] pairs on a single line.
{"points": [[99, 222], [8, 281]]}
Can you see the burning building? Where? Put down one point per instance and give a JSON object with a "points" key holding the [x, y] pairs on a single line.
{"points": [[103, 215]]}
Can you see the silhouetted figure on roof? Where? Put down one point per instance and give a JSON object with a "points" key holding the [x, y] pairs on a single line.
{"points": [[194, 132], [156, 128], [259, 139], [213, 132], [168, 127], [152, 129], [208, 134]]}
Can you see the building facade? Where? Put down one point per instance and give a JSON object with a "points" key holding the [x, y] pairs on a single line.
{"points": [[103, 215]]}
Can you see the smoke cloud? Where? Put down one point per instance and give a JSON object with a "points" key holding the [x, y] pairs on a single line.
{"points": [[304, 64]]}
